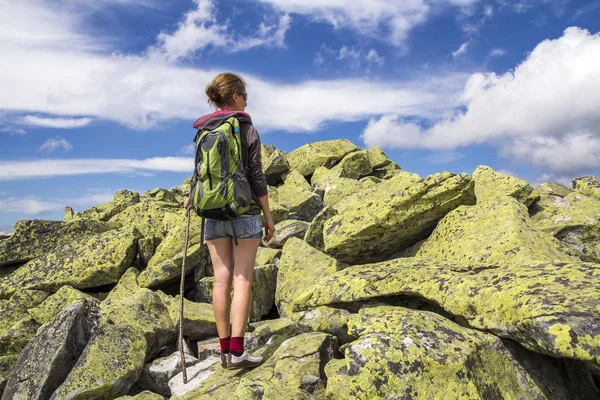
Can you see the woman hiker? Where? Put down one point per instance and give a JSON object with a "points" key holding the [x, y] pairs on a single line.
{"points": [[231, 262]]}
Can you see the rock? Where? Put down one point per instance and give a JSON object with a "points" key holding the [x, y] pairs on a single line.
{"points": [[7, 364], [314, 234], [156, 375], [35, 238], [266, 150], [550, 308], [109, 366], [377, 158], [161, 195], [574, 220], [262, 332], [554, 189], [174, 224], [354, 166], [48, 358], [146, 216], [490, 184], [145, 395], [143, 311], [170, 270], [286, 230], [278, 212], [296, 195], [341, 189], [298, 363], [509, 236], [403, 353], [326, 153], [53, 304], [209, 348], [185, 186], [275, 166], [587, 185], [197, 374], [146, 249], [324, 319], [105, 211], [300, 267], [198, 318], [17, 328], [266, 256], [87, 262], [386, 219]]}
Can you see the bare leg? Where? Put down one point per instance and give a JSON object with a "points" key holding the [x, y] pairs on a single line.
{"points": [[244, 256], [222, 260]]}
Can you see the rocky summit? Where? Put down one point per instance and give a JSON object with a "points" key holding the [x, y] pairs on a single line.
{"points": [[379, 284]]}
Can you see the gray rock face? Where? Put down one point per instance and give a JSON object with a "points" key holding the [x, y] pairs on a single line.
{"points": [[48, 358], [156, 375]]}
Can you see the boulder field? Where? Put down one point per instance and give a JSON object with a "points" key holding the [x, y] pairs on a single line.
{"points": [[379, 284]]}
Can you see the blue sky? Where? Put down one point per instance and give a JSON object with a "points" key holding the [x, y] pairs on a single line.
{"points": [[97, 98]]}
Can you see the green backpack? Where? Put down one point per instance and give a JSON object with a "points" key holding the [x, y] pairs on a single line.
{"points": [[220, 188]]}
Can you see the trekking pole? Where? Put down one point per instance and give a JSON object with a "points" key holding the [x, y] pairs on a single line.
{"points": [[181, 292]]}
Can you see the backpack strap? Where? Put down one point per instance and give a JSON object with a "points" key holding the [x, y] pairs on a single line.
{"points": [[244, 142]]}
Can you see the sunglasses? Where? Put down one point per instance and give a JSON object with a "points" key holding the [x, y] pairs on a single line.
{"points": [[244, 95]]}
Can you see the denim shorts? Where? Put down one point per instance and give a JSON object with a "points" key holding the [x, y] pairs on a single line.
{"points": [[246, 227]]}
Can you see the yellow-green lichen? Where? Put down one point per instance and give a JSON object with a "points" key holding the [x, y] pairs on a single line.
{"points": [[490, 184], [327, 153], [52, 305], [88, 262]]}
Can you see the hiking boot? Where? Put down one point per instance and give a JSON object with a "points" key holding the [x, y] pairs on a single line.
{"points": [[224, 360], [243, 361]]}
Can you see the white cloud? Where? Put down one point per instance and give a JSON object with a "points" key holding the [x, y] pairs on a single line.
{"points": [[374, 58], [61, 123], [545, 112], [2, 233], [562, 179], [52, 145], [497, 52], [14, 170], [461, 50], [189, 149], [392, 20], [203, 27], [33, 205], [352, 57]]}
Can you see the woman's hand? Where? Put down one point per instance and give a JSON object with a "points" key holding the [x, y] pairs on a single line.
{"points": [[269, 229], [186, 203]]}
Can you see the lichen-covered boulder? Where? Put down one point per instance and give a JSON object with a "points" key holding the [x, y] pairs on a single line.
{"points": [[354, 166], [146, 216], [490, 184], [198, 318], [314, 233], [574, 220], [404, 353], [555, 189], [34, 238], [156, 375], [298, 363], [387, 171], [265, 255], [296, 195], [7, 365], [108, 367], [145, 395], [509, 238], [377, 157], [275, 166], [379, 222], [159, 194], [196, 259], [327, 153], [551, 308], [105, 211], [343, 188], [278, 212], [263, 332], [175, 225], [286, 230], [17, 328], [87, 262], [324, 319], [48, 358], [300, 267], [143, 311], [587, 185], [53, 304]]}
